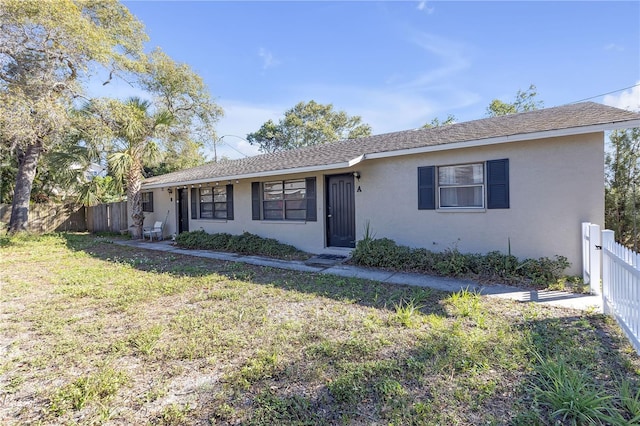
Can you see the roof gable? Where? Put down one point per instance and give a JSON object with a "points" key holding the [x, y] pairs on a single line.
{"points": [[567, 119]]}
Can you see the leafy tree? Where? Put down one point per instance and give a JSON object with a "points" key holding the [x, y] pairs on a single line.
{"points": [[46, 50], [308, 124], [100, 190], [524, 101], [177, 155], [181, 118], [8, 170], [451, 119], [622, 163]]}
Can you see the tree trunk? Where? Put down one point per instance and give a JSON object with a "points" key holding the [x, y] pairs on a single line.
{"points": [[134, 182], [27, 165]]}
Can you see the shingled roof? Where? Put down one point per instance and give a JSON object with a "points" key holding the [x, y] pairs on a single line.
{"points": [[563, 120]]}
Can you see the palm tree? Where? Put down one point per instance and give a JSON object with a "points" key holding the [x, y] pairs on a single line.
{"points": [[136, 130]]}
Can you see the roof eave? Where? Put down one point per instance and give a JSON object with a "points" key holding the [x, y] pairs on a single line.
{"points": [[507, 139], [626, 124], [278, 172]]}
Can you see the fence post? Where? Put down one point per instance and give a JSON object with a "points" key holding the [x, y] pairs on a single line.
{"points": [[595, 259], [585, 252], [608, 238]]}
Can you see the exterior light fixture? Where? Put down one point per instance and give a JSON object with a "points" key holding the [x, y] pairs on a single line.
{"points": [[170, 190], [356, 175]]}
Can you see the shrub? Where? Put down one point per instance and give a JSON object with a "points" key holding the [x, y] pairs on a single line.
{"points": [[452, 263], [381, 253], [245, 243], [385, 253], [545, 270], [192, 240]]}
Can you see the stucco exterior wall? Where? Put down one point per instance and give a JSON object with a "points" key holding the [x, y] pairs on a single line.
{"points": [[305, 235], [555, 184], [163, 203], [308, 236]]}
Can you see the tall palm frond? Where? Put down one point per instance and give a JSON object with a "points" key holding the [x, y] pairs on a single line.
{"points": [[120, 162]]}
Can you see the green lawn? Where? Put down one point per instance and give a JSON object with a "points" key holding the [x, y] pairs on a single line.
{"points": [[92, 332]]}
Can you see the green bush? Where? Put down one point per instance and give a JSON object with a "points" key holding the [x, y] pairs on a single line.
{"points": [[381, 253], [245, 243], [495, 266]]}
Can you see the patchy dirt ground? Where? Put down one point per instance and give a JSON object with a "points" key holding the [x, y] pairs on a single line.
{"points": [[92, 332]]}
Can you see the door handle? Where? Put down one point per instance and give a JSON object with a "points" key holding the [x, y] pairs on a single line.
{"points": [[328, 215]]}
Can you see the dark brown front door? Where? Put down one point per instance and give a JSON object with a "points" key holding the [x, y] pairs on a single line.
{"points": [[341, 211], [183, 211]]}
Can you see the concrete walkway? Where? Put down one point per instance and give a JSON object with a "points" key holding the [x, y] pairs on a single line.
{"points": [[544, 297]]}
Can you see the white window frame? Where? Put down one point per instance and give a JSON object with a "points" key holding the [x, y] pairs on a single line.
{"points": [[481, 185]]}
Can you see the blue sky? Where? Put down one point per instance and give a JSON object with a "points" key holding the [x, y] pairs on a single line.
{"points": [[396, 64]]}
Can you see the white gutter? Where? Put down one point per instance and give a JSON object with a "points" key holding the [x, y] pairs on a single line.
{"points": [[424, 149]]}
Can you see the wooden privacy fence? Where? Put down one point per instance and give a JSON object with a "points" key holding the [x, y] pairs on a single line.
{"points": [[49, 217], [110, 217], [620, 269]]}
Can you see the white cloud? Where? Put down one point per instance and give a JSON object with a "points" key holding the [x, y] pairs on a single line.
{"points": [[403, 102], [388, 109], [613, 46], [240, 119], [628, 99], [448, 54], [268, 60], [422, 6], [391, 109]]}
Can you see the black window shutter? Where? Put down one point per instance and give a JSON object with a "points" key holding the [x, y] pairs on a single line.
{"points": [[312, 214], [426, 188], [150, 201], [255, 200], [229, 202], [194, 203], [498, 184]]}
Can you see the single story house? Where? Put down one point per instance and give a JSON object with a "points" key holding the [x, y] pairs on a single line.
{"points": [[524, 181]]}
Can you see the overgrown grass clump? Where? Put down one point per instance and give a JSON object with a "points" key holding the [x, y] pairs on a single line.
{"points": [[245, 243], [494, 266], [94, 332]]}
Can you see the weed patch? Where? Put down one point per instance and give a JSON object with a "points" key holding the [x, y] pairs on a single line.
{"points": [[97, 333], [95, 388]]}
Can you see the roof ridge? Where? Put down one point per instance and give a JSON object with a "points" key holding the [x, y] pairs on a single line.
{"points": [[333, 154]]}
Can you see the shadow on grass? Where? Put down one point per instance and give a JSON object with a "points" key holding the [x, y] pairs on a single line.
{"points": [[473, 363], [450, 376], [352, 290]]}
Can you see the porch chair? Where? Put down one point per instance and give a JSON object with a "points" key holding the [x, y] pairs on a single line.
{"points": [[155, 230]]}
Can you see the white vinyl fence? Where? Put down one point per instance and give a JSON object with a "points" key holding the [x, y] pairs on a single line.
{"points": [[620, 278], [591, 261]]}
